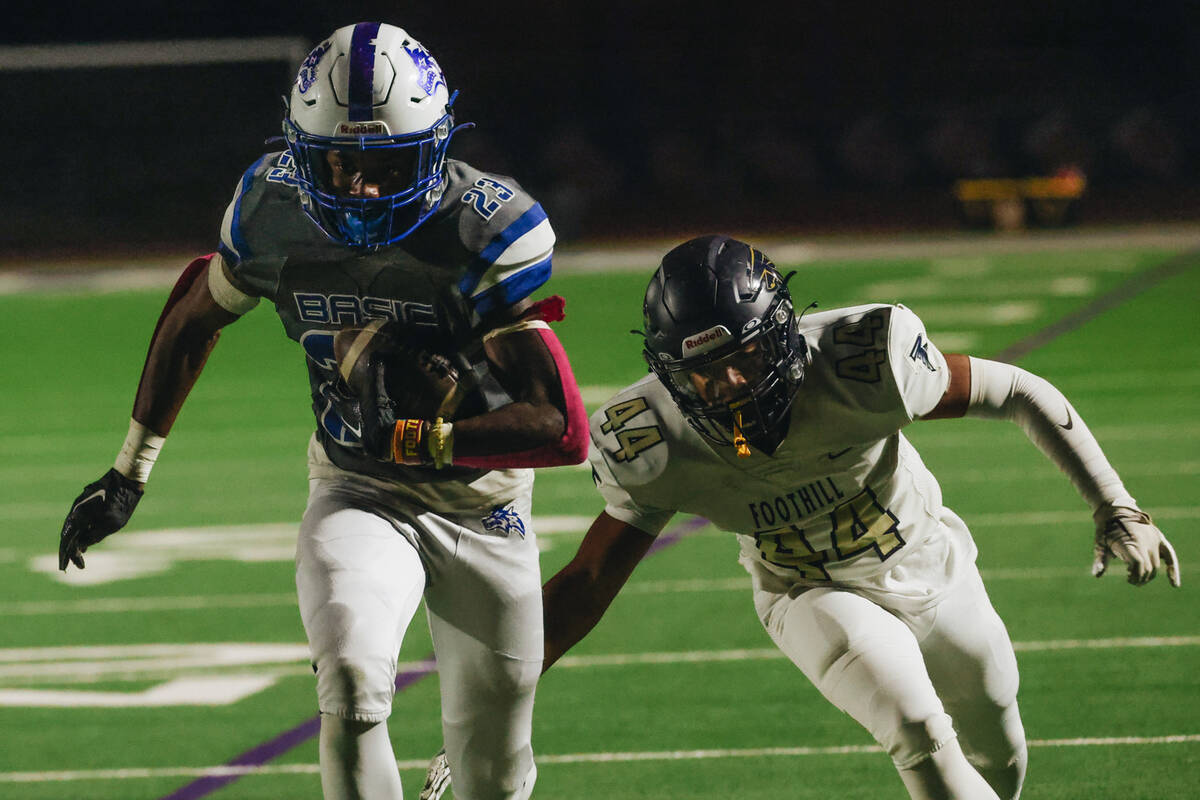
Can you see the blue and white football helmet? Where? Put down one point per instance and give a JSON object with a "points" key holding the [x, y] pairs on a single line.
{"points": [[372, 92]]}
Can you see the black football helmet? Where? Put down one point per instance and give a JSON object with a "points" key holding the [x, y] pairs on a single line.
{"points": [[722, 336]]}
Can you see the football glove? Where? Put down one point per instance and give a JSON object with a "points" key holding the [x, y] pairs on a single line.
{"points": [[102, 508], [378, 414], [437, 778], [419, 383], [415, 438], [1130, 535]]}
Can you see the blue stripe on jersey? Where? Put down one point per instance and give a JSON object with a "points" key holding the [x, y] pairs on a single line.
{"points": [[241, 249], [518, 228], [227, 254], [362, 70], [514, 288]]}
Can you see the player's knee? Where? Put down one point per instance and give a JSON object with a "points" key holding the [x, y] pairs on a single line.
{"points": [[995, 745], [517, 677], [356, 688], [504, 682], [916, 738], [1000, 740]]}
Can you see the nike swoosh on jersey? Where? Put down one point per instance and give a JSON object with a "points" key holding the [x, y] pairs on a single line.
{"points": [[1070, 422], [831, 456]]}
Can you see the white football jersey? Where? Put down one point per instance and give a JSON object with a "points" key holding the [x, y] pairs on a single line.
{"points": [[845, 497]]}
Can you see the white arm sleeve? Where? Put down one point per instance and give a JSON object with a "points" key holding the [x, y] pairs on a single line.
{"points": [[1002, 391]]}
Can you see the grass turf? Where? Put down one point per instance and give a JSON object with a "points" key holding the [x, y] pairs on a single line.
{"points": [[236, 457]]}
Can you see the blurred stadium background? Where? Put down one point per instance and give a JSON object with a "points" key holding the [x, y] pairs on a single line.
{"points": [[835, 133], [624, 118]]}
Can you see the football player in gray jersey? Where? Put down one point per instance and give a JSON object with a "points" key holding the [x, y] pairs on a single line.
{"points": [[437, 386], [787, 433]]}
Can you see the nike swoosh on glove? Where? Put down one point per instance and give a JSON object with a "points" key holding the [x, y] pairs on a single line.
{"points": [[101, 509]]}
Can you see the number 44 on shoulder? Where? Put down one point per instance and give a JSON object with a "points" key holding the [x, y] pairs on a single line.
{"points": [[633, 440]]}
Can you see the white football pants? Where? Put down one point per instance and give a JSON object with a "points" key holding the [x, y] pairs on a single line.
{"points": [[912, 680], [362, 565]]}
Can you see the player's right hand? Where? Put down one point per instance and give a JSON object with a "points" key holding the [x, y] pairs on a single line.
{"points": [[378, 413], [1130, 535], [437, 778], [102, 508]]}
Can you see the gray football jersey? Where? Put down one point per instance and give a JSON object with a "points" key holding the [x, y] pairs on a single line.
{"points": [[842, 497], [487, 246]]}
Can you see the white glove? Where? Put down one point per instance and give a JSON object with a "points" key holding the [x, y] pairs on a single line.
{"points": [[437, 777], [1130, 535]]}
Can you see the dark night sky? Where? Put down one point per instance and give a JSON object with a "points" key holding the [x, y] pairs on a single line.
{"points": [[825, 50], [600, 106]]}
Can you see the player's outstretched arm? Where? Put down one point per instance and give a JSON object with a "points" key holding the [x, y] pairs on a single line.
{"points": [[991, 389], [185, 334], [575, 599]]}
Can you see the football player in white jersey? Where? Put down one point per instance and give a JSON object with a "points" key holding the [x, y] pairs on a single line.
{"points": [[363, 224], [787, 433]]}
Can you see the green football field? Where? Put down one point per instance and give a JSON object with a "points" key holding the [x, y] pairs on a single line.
{"points": [[175, 665]]}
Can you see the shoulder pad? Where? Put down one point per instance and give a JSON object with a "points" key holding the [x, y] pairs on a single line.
{"points": [[507, 232], [879, 358], [265, 223], [918, 366], [262, 182], [850, 354], [630, 434]]}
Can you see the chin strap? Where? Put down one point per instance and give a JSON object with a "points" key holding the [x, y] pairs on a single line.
{"points": [[739, 438]]}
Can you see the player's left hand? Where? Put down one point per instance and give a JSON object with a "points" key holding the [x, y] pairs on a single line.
{"points": [[437, 778], [102, 508], [1130, 535]]}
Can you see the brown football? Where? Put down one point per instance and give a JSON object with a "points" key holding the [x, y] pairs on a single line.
{"points": [[352, 347]]}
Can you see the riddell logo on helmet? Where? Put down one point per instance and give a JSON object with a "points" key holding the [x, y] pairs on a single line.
{"points": [[705, 340], [360, 128]]}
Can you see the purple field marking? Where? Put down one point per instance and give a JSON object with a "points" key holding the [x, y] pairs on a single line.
{"points": [[272, 749], [677, 532], [294, 737]]}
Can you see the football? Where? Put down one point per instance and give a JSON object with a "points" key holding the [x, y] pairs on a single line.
{"points": [[353, 347], [420, 383]]}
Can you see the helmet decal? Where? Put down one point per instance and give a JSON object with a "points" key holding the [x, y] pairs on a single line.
{"points": [[362, 70], [308, 70], [430, 74], [370, 88], [704, 341]]}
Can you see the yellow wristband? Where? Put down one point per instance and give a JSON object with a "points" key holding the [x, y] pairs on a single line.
{"points": [[441, 443]]}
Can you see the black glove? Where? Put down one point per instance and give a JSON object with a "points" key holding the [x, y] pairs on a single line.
{"points": [[378, 412], [103, 507]]}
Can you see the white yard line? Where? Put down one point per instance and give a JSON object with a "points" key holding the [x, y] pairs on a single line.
{"points": [[770, 653], [1017, 518], [124, 605], [569, 524], [135, 773], [137, 662], [121, 605]]}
